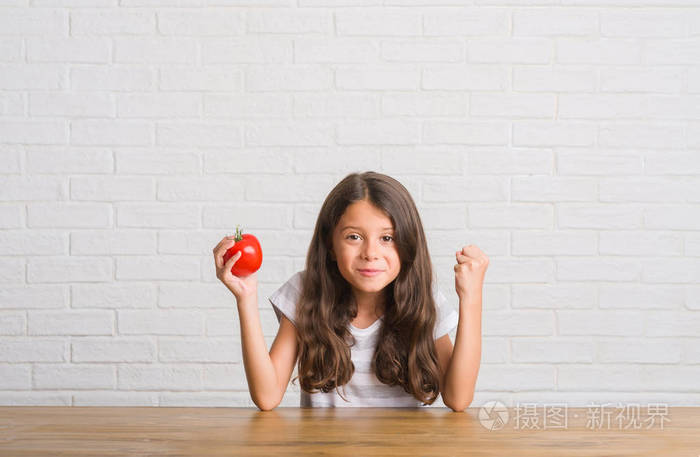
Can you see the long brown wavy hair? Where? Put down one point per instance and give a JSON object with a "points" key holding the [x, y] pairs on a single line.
{"points": [[405, 354]]}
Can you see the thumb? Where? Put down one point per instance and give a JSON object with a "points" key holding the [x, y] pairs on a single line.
{"points": [[232, 260]]}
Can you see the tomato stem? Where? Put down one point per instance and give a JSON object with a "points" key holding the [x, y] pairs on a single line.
{"points": [[239, 235]]}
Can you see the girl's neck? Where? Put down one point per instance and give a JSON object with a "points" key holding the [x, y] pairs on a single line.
{"points": [[370, 304]]}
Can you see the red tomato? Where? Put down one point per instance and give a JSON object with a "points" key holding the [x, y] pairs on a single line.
{"points": [[251, 254]]}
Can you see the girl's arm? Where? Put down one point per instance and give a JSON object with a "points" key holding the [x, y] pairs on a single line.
{"points": [[463, 369], [267, 374]]}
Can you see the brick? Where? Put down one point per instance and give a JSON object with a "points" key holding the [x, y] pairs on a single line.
{"points": [[16, 376], [463, 77], [610, 216], [512, 105], [160, 377], [158, 105], [382, 22], [111, 132], [433, 50], [660, 190], [258, 216], [641, 135], [198, 134], [288, 78], [466, 21], [264, 106], [555, 22], [69, 215], [560, 350], [377, 77], [495, 161], [521, 215], [200, 22], [159, 322], [247, 49], [131, 242], [289, 133], [600, 323], [68, 269], [509, 50], [114, 78], [12, 323], [73, 50], [641, 297], [647, 79], [198, 79], [33, 296], [158, 215], [144, 268], [541, 243], [136, 161], [634, 243], [601, 162], [425, 104], [557, 78], [293, 21], [424, 161], [226, 350], [13, 188], [553, 133], [670, 270], [33, 132], [387, 131], [114, 295], [34, 21], [74, 323], [27, 349], [112, 21], [152, 50], [114, 349], [472, 133], [554, 296], [68, 160], [111, 188], [550, 189], [73, 377], [451, 189], [643, 23], [26, 242], [335, 50]]}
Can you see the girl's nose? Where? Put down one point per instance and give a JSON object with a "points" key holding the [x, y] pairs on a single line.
{"points": [[369, 250]]}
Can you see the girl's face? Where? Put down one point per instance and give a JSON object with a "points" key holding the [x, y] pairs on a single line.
{"points": [[364, 240]]}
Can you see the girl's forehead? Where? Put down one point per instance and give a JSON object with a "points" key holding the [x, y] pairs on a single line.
{"points": [[363, 213]]}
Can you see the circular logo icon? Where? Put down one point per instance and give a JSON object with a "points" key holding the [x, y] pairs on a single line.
{"points": [[493, 415]]}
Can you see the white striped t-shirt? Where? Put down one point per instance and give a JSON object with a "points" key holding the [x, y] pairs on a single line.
{"points": [[363, 389]]}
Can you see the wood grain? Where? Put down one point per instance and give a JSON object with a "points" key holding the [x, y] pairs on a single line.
{"points": [[163, 431]]}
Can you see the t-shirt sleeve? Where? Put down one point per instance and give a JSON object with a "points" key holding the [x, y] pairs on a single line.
{"points": [[447, 316], [284, 299]]}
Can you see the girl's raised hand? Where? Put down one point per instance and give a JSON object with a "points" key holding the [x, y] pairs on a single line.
{"points": [[242, 287], [470, 271]]}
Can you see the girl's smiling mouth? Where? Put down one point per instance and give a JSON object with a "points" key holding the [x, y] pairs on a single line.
{"points": [[369, 272]]}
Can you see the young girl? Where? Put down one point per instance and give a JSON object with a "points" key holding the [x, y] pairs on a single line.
{"points": [[365, 315]]}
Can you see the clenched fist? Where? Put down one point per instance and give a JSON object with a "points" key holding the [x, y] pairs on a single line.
{"points": [[470, 271]]}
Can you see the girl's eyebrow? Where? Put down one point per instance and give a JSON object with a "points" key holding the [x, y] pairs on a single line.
{"points": [[359, 228]]}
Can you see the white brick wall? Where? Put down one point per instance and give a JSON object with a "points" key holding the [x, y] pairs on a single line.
{"points": [[562, 137]]}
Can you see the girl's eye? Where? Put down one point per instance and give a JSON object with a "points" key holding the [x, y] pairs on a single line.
{"points": [[391, 238]]}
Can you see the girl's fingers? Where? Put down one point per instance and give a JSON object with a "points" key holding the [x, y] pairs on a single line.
{"points": [[234, 258], [221, 249]]}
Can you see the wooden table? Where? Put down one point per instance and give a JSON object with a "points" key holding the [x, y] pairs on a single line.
{"points": [[208, 432]]}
